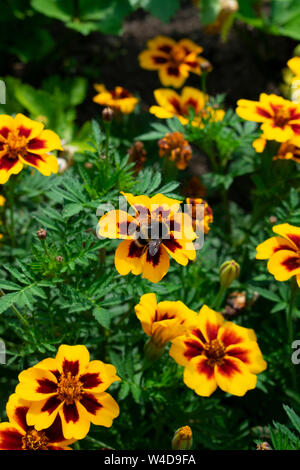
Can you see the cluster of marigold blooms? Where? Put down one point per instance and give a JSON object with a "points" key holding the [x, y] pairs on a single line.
{"points": [[173, 61], [57, 399]]}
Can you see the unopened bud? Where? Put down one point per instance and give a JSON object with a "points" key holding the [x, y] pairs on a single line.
{"points": [[229, 271], [272, 219], [183, 439], [263, 446], [205, 66], [153, 351], [107, 114], [41, 233], [59, 259]]}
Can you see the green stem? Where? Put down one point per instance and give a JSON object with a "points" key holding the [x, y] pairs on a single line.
{"points": [[16, 312], [107, 136], [10, 197], [219, 299]]}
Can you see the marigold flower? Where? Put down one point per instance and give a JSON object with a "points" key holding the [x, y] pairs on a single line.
{"points": [[158, 229], [25, 142], [72, 387], [283, 252], [173, 60], [183, 439], [200, 221], [280, 118], [119, 98], [165, 320], [218, 353], [175, 148], [2, 200], [172, 104], [18, 435], [289, 150]]}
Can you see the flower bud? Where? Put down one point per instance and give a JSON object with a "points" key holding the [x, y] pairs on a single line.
{"points": [[41, 233], [153, 351], [183, 439], [229, 271], [59, 259], [107, 114]]}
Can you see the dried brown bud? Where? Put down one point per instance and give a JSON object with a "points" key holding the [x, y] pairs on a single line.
{"points": [[175, 148], [59, 259], [88, 165], [272, 219], [41, 234], [107, 114], [137, 155], [236, 302], [205, 66]]}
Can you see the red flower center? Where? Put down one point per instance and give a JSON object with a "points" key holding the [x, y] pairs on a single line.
{"points": [[34, 440], [215, 352], [281, 117], [69, 388]]}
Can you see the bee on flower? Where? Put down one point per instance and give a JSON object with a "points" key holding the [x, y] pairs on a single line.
{"points": [[26, 142], [172, 104], [173, 60], [162, 322], [218, 353], [72, 388], [174, 147], [18, 435], [279, 118], [283, 252], [119, 99], [157, 230]]}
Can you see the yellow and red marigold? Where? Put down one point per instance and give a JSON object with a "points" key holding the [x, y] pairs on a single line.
{"points": [[217, 353], [119, 98], [173, 60], [156, 230], [174, 147], [172, 104], [203, 219], [165, 320], [280, 118], [71, 387], [289, 150], [25, 142], [18, 435], [283, 252]]}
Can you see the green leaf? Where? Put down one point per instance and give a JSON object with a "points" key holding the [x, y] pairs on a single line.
{"points": [[294, 418], [102, 316], [71, 209], [163, 10]]}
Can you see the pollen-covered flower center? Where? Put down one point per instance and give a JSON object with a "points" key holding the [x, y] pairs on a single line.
{"points": [[34, 440], [282, 117], [69, 388], [215, 352], [15, 145], [178, 54]]}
